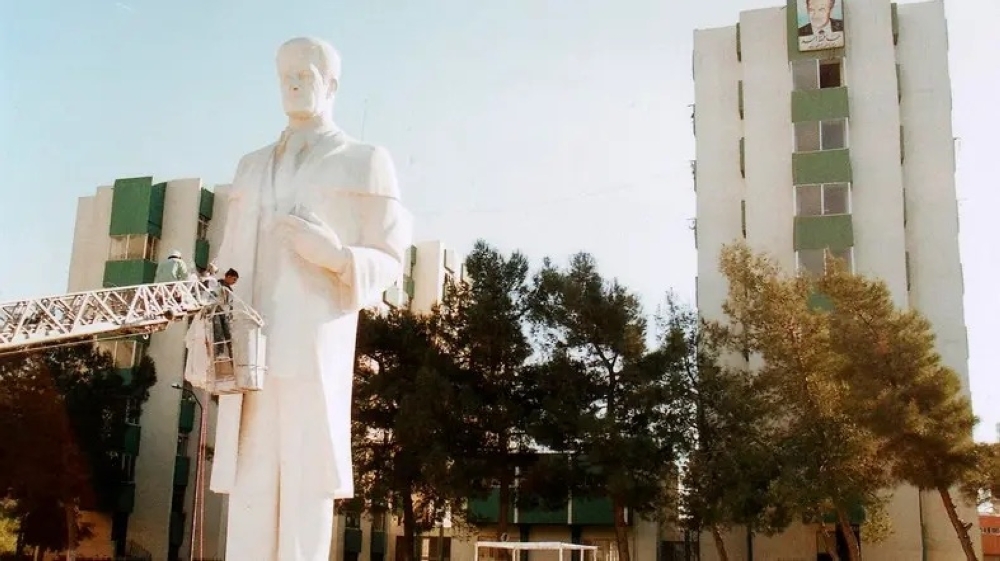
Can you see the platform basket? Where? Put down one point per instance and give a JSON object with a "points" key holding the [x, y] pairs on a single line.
{"points": [[238, 365], [234, 359]]}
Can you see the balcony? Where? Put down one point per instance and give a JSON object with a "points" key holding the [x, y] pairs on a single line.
{"points": [[821, 232], [820, 104], [580, 511], [131, 438], [177, 528], [185, 421], [353, 538], [126, 498], [380, 543], [182, 470], [128, 273], [824, 166]]}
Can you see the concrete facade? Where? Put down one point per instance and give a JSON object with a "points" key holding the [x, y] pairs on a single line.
{"points": [[892, 100]]}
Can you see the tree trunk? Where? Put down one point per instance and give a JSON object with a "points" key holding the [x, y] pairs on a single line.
{"points": [[621, 531], [720, 544], [960, 529], [70, 510], [853, 547], [830, 542], [503, 525], [409, 545]]}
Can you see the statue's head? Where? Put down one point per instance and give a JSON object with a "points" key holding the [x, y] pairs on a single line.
{"points": [[309, 71]]}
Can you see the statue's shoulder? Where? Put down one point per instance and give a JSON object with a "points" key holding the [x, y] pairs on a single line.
{"points": [[257, 158], [350, 150], [370, 161]]}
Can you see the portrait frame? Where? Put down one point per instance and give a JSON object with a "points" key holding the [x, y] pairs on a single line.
{"points": [[829, 15]]}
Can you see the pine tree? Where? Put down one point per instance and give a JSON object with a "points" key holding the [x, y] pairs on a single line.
{"points": [[627, 429]]}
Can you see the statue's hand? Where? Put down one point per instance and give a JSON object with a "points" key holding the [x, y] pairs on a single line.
{"points": [[313, 241]]}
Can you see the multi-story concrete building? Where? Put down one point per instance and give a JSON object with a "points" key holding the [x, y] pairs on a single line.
{"points": [[122, 232], [840, 141]]}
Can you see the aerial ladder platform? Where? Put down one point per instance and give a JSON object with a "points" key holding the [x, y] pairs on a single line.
{"points": [[224, 341], [67, 319]]}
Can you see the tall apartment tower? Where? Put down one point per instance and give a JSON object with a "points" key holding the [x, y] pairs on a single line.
{"points": [[121, 233], [825, 125]]}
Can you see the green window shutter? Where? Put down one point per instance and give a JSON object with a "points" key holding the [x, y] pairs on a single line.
{"points": [[820, 104], [206, 204], [201, 249], [821, 232], [128, 273], [825, 166]]}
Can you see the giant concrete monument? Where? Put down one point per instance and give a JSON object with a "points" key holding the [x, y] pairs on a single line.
{"points": [[316, 230]]}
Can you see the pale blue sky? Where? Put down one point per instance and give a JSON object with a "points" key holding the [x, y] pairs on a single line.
{"points": [[551, 126]]}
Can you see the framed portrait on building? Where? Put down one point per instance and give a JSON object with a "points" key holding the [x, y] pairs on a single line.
{"points": [[821, 24]]}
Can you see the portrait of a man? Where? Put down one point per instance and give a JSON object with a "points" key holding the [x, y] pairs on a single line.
{"points": [[821, 24]]}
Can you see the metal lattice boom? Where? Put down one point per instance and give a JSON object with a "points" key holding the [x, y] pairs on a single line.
{"points": [[52, 321]]}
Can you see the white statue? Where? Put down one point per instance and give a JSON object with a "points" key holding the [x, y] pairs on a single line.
{"points": [[316, 229]]}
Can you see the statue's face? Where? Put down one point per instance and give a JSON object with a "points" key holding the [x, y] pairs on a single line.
{"points": [[304, 91]]}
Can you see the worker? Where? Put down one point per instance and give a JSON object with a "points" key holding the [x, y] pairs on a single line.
{"points": [[174, 269], [221, 330]]}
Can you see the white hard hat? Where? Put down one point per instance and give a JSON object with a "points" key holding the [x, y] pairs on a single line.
{"points": [[175, 254]]}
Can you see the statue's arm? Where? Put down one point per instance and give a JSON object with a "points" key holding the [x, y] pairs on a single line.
{"points": [[371, 264]]}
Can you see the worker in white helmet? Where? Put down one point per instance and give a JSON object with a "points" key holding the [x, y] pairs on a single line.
{"points": [[174, 269]]}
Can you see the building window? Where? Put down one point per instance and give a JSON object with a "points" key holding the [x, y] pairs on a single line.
{"points": [[435, 549], [202, 228], [133, 246], [812, 136], [352, 520], [813, 261], [378, 522], [822, 200], [124, 353], [812, 74]]}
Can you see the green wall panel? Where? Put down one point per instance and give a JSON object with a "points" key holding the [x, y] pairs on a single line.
{"points": [[177, 528], [739, 96], [818, 301], [131, 438], [353, 538], [125, 374], [126, 498], [822, 232], [185, 422], [819, 105], [593, 512], [201, 249], [128, 273], [743, 157], [379, 542], [487, 510], [182, 468], [543, 516], [206, 204], [895, 22], [792, 34], [137, 207], [824, 166]]}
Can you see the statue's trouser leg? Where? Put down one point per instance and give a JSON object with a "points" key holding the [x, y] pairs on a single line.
{"points": [[252, 531], [306, 510], [280, 514]]}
